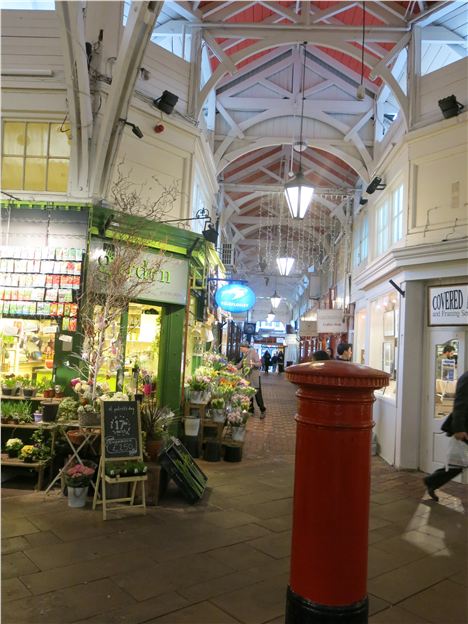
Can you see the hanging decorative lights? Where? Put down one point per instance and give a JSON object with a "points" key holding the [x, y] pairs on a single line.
{"points": [[299, 191]]}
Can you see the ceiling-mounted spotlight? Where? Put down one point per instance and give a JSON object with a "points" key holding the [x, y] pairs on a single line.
{"points": [[450, 107], [375, 185], [166, 102], [363, 201], [135, 129]]}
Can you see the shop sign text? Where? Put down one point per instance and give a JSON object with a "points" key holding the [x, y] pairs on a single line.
{"points": [[448, 305]]}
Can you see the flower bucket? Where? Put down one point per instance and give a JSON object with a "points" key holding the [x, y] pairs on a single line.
{"points": [[218, 415], [197, 396], [77, 496], [191, 426], [49, 410], [238, 434]]}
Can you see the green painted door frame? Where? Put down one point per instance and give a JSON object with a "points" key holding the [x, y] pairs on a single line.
{"points": [[170, 356]]}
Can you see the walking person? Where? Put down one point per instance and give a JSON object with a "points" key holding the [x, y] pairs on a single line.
{"points": [[280, 362], [459, 430], [251, 362], [267, 360], [274, 361]]}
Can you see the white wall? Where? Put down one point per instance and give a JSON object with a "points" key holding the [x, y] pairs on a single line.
{"points": [[449, 80]]}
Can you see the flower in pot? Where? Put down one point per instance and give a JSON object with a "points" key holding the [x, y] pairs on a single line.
{"points": [[155, 423], [77, 479], [236, 420], [28, 453], [13, 446], [198, 386], [9, 386], [218, 405], [48, 389], [59, 391]]}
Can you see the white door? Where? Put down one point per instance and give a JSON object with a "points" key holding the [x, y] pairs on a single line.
{"points": [[441, 377]]}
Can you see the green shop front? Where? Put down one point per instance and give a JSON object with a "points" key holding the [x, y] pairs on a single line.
{"points": [[47, 251]]}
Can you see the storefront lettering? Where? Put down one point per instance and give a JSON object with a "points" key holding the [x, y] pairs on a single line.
{"points": [[142, 271], [448, 300]]}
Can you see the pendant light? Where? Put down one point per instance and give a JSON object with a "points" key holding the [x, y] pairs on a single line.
{"points": [[285, 264], [299, 191], [275, 300], [270, 316]]}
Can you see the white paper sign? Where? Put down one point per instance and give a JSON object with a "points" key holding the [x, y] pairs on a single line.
{"points": [[448, 305], [330, 322], [308, 328]]}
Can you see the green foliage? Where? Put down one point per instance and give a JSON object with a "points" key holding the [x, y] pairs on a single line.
{"points": [[43, 450], [155, 420], [9, 382], [68, 410]]}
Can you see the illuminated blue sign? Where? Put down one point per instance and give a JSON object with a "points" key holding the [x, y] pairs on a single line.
{"points": [[235, 298]]}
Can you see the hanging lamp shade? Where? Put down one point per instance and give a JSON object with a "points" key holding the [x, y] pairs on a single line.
{"points": [[285, 265], [275, 300], [270, 316], [298, 193]]}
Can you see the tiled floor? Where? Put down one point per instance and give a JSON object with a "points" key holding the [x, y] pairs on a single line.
{"points": [[226, 560]]}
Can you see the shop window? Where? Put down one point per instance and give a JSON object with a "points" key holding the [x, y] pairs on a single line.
{"points": [[397, 214], [383, 340], [361, 238], [27, 348], [446, 375], [382, 228], [35, 156]]}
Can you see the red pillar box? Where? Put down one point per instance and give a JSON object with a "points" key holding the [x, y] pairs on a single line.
{"points": [[331, 492]]}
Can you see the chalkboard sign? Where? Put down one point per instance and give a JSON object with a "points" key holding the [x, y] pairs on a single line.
{"points": [[121, 435], [180, 466]]}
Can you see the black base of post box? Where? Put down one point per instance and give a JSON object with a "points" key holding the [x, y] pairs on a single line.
{"points": [[301, 611]]}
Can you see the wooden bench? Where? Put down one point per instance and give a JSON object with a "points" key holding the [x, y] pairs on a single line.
{"points": [[38, 466]]}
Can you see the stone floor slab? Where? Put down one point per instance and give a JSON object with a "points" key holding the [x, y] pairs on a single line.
{"points": [[202, 612]]}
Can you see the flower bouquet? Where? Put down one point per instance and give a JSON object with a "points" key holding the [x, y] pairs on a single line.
{"points": [[236, 420], [13, 446], [78, 476], [198, 386], [218, 405]]}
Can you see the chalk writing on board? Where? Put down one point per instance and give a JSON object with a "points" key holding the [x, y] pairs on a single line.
{"points": [[121, 429], [121, 447]]}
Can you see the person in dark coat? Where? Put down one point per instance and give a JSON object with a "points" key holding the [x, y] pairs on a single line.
{"points": [[459, 430], [318, 356], [266, 360], [281, 362]]}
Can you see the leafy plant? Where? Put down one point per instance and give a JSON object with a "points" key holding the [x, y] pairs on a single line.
{"points": [[28, 453], [42, 448], [155, 420], [9, 382], [68, 410], [217, 403], [24, 412], [136, 468], [8, 409]]}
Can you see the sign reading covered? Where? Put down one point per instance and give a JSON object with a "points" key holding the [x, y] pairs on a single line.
{"points": [[448, 305], [235, 298], [330, 322]]}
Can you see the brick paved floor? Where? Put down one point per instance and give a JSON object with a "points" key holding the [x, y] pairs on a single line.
{"points": [[226, 559]]}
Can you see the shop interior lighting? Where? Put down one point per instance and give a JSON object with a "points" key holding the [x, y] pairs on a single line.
{"points": [[285, 264], [270, 316], [135, 129], [299, 191], [450, 107]]}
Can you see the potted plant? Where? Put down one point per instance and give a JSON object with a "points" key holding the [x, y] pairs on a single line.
{"points": [[135, 468], [28, 453], [77, 480], [236, 420], [9, 386], [218, 405], [24, 413], [29, 388], [48, 389], [67, 410], [13, 446], [198, 387], [59, 391], [155, 422]]}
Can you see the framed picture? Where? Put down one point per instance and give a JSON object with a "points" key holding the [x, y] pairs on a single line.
{"points": [[389, 323], [388, 357]]}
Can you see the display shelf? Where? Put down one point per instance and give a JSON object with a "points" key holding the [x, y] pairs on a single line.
{"points": [[39, 467], [32, 425], [6, 397]]}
